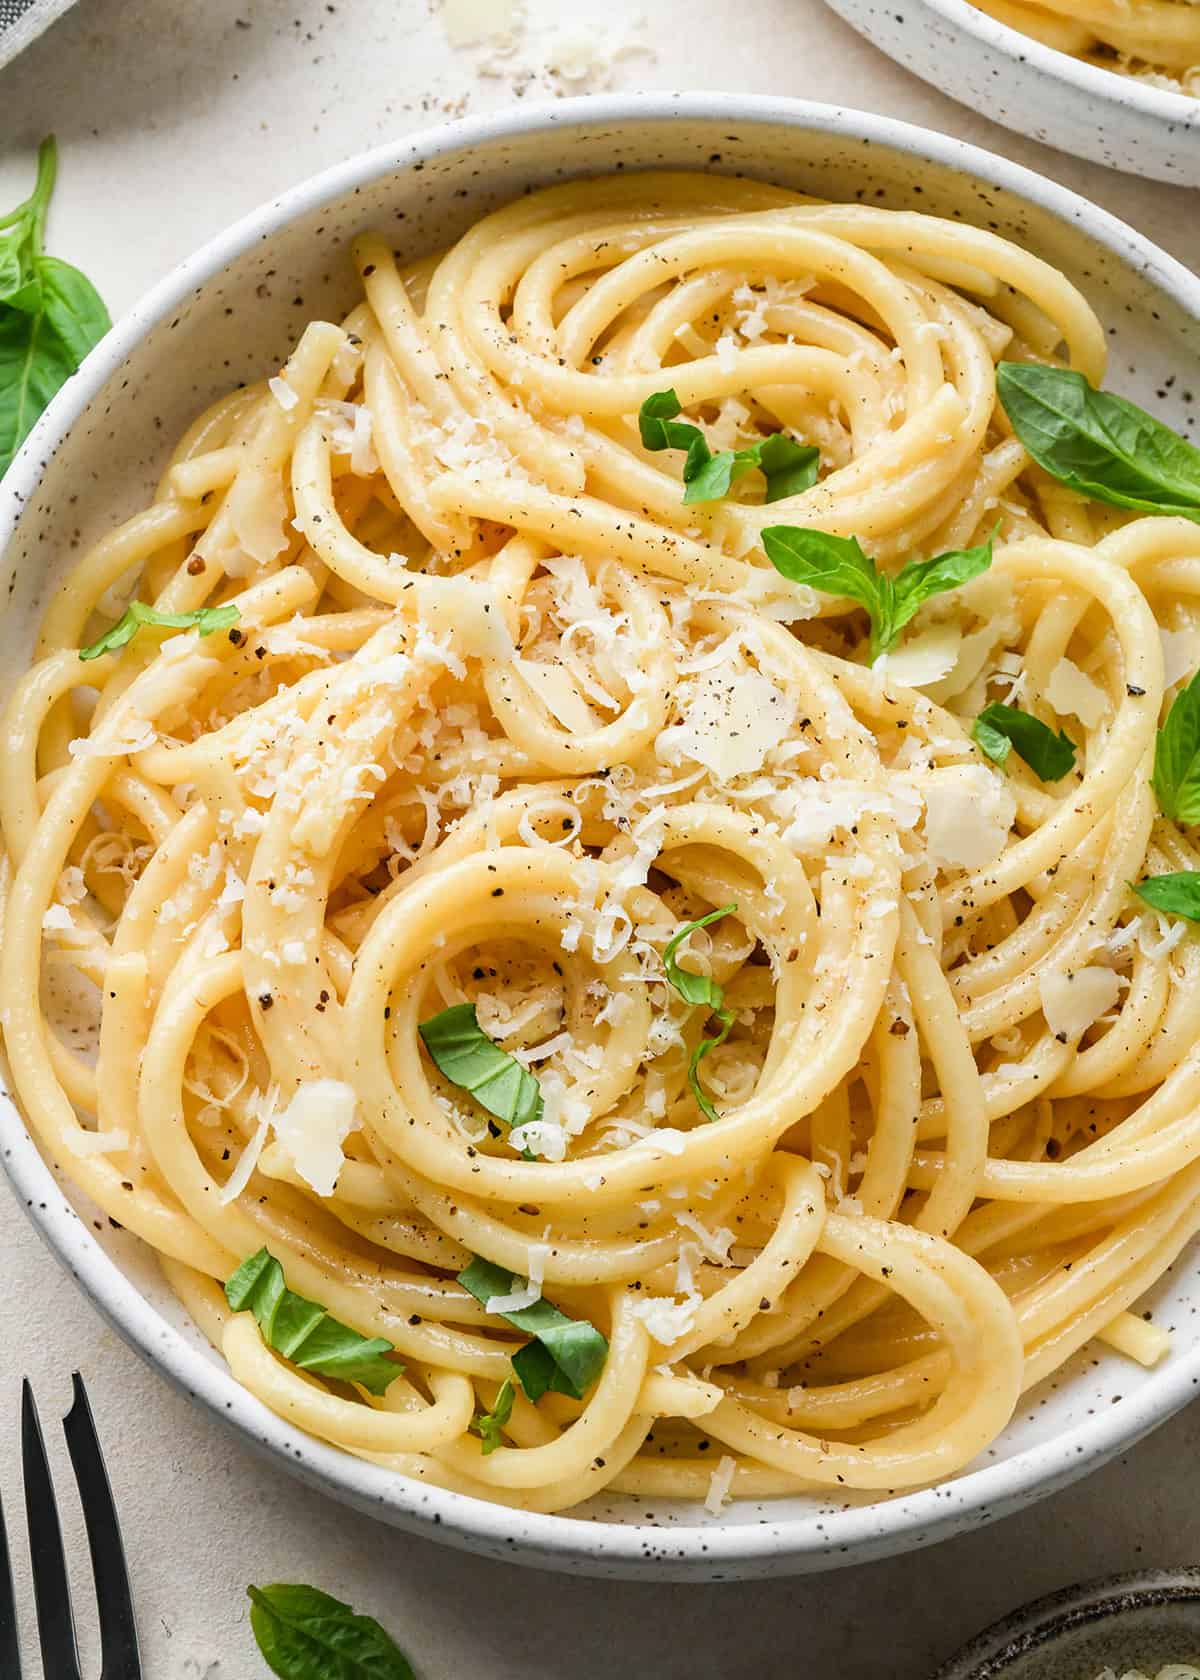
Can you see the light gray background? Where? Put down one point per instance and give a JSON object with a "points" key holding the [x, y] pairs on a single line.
{"points": [[173, 119]]}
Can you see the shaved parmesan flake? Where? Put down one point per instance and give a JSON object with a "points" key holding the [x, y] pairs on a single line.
{"points": [[312, 1129], [925, 658], [730, 721], [283, 393], [558, 691], [105, 744], [530, 1291], [247, 1161], [1072, 690], [1074, 1002], [1181, 654], [968, 815], [58, 919], [467, 611], [719, 1484]]}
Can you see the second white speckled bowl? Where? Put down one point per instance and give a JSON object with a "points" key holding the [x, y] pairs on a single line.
{"points": [[230, 313], [1043, 94]]}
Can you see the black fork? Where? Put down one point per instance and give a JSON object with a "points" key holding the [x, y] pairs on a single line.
{"points": [[56, 1625]]}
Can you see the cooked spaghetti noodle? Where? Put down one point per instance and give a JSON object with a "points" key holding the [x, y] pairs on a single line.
{"points": [[499, 716], [1156, 41]]}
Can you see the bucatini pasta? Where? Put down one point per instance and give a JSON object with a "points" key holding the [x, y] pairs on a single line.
{"points": [[500, 868], [1156, 41]]}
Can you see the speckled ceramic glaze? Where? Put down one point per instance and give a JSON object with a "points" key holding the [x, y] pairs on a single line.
{"points": [[1136, 1622], [231, 313], [1040, 93]]}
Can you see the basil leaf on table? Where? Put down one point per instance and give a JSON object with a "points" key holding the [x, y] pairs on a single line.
{"points": [[304, 1634], [838, 566], [1099, 444], [788, 467], [1176, 895], [50, 314], [203, 619], [489, 1426], [999, 729], [1176, 779], [566, 1355], [304, 1333], [700, 989], [469, 1059]]}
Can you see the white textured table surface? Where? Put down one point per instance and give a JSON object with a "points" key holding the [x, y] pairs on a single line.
{"points": [[174, 117]]}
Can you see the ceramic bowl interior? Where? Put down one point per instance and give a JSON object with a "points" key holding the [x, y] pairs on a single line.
{"points": [[1131, 1622], [231, 314], [1045, 95]]}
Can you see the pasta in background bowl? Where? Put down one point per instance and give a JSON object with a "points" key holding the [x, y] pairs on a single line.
{"points": [[981, 56], [242, 306]]}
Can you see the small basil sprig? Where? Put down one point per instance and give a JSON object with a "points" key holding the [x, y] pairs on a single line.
{"points": [[838, 566], [1177, 895], [489, 1426], [203, 619], [700, 989], [304, 1333], [1000, 729], [1176, 778], [1099, 444], [50, 314], [788, 467], [304, 1634], [467, 1056], [566, 1355]]}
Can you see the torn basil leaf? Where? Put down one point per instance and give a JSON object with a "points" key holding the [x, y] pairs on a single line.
{"points": [[304, 1333], [700, 989], [566, 1354], [469, 1059], [203, 619], [788, 467], [1000, 729]]}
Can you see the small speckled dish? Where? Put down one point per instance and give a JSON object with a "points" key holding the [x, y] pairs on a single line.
{"points": [[1140, 1622], [231, 313], [1041, 93]]}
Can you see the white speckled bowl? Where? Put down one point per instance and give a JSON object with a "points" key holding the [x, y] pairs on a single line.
{"points": [[1041, 93], [231, 312], [1142, 1621]]}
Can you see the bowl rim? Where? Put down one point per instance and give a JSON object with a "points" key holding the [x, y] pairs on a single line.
{"points": [[668, 1551], [1040, 1623], [1109, 86]]}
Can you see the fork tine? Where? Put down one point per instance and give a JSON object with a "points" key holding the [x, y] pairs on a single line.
{"points": [[56, 1627], [118, 1630], [10, 1653]]}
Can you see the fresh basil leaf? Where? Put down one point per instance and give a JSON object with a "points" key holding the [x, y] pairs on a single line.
{"points": [[1176, 778], [50, 315], [566, 1355], [305, 1634], [699, 989], [1176, 895], [489, 1426], [137, 613], [915, 583], [1000, 728], [1097, 443], [469, 1059], [787, 466], [838, 566], [660, 429], [304, 1333]]}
